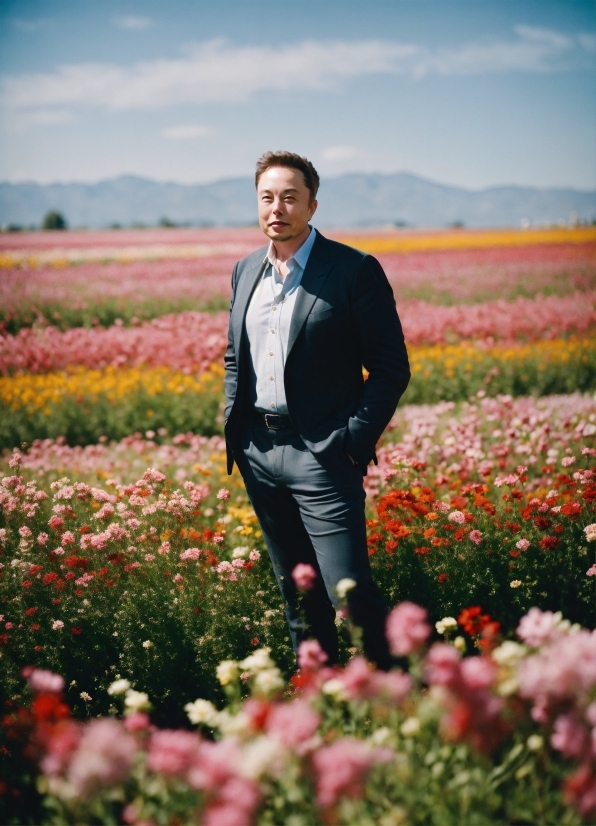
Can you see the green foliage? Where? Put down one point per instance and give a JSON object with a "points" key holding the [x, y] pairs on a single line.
{"points": [[53, 220]]}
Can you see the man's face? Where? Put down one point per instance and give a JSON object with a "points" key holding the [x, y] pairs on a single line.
{"points": [[284, 203]]}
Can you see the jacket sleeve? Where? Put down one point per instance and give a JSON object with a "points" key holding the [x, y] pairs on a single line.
{"points": [[230, 362], [384, 356]]}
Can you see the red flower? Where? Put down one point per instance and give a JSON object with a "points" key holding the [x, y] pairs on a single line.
{"points": [[459, 534], [571, 509], [38, 648], [27, 583], [70, 575], [473, 621], [422, 550], [35, 569], [35, 626], [49, 578], [442, 578], [30, 611], [76, 630], [254, 641], [549, 542], [542, 523]]}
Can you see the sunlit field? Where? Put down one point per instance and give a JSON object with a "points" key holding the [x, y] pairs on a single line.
{"points": [[146, 671]]}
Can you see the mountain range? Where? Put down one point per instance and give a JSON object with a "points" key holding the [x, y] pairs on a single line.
{"points": [[352, 200]]}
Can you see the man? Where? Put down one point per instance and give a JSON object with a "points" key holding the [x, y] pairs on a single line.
{"points": [[307, 314]]}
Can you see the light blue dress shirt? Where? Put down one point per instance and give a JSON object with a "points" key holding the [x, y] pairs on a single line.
{"points": [[268, 327]]}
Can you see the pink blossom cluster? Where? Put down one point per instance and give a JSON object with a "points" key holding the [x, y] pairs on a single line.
{"points": [[560, 680], [192, 341], [462, 276], [490, 437], [189, 342], [466, 690]]}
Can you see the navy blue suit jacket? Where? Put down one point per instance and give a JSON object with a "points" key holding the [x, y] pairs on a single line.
{"points": [[344, 319]]}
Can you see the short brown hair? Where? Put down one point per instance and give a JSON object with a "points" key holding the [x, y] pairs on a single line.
{"points": [[292, 161]]}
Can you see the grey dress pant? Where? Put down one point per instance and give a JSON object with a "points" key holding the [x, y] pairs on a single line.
{"points": [[313, 515]]}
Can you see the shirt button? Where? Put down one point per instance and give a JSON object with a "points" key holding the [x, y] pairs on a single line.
{"points": [[272, 404], [272, 332], [270, 353], [274, 308], [271, 378]]}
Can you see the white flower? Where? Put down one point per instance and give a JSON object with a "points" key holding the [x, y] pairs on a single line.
{"points": [[233, 725], [262, 756], [136, 700], [201, 711], [535, 742], [259, 660], [240, 551], [410, 727], [118, 687], [335, 688], [509, 653], [343, 586], [446, 624], [147, 644], [86, 697], [381, 736], [460, 643], [226, 671], [590, 531], [515, 583], [268, 681]]}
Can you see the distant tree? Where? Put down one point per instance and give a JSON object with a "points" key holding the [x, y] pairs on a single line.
{"points": [[457, 225], [53, 220], [166, 223]]}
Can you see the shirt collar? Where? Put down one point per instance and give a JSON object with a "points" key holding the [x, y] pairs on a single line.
{"points": [[300, 256]]}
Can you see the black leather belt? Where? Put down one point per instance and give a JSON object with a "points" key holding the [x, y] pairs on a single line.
{"points": [[273, 421]]}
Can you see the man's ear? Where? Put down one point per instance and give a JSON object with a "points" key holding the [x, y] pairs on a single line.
{"points": [[312, 208]]}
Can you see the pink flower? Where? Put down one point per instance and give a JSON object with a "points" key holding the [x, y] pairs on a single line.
{"points": [[164, 548], [254, 555], [591, 571], [44, 682], [341, 768], [173, 752], [104, 756], [178, 578], [522, 545], [475, 536], [68, 538], [190, 553], [569, 736], [292, 723], [310, 655], [536, 627], [24, 531], [304, 576], [441, 664], [149, 557], [223, 494], [57, 625], [457, 516], [567, 461], [137, 721], [406, 628], [42, 538]]}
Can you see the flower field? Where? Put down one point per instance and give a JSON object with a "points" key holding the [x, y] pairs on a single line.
{"points": [[146, 671]]}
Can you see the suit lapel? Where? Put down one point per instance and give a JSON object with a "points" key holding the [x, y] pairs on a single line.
{"points": [[245, 288], [313, 278]]}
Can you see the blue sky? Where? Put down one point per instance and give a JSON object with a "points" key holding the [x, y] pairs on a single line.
{"points": [[467, 92]]}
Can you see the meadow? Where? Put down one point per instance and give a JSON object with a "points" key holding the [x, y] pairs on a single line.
{"points": [[147, 676]]}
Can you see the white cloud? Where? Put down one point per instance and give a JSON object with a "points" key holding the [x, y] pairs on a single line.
{"points": [[335, 154], [132, 22], [218, 71], [21, 120], [587, 41], [185, 133], [31, 25]]}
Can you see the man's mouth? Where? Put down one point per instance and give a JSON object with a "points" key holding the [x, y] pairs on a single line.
{"points": [[278, 224]]}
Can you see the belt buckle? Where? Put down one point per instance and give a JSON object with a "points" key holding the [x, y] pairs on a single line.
{"points": [[272, 426]]}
